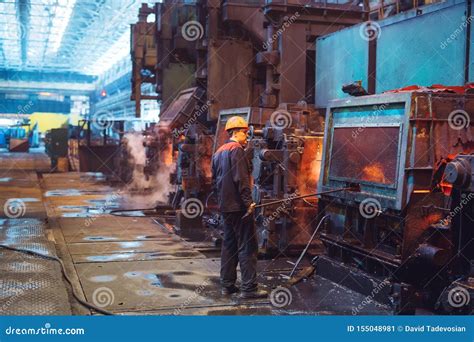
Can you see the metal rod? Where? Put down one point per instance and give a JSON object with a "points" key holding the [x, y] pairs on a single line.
{"points": [[307, 245], [302, 196]]}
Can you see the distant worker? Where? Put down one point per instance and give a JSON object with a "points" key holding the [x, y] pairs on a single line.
{"points": [[231, 180]]}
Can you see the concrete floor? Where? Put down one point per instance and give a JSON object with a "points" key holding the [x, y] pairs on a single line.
{"points": [[126, 265]]}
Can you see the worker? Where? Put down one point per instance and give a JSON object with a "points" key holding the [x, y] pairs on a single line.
{"points": [[231, 182]]}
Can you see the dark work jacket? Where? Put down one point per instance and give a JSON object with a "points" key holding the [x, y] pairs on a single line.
{"points": [[231, 177]]}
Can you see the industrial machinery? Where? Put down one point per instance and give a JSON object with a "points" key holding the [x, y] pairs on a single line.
{"points": [[21, 136], [459, 174], [188, 54], [286, 158], [282, 149], [178, 151], [401, 233], [195, 44], [98, 143]]}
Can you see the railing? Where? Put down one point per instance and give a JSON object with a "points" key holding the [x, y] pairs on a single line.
{"points": [[309, 2], [380, 9]]}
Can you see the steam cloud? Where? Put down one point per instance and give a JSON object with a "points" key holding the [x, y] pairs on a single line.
{"points": [[157, 185]]}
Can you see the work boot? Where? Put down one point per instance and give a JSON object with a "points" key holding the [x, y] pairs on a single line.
{"points": [[254, 294], [227, 291]]}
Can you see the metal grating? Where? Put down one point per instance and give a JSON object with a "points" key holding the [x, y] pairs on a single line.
{"points": [[30, 285]]}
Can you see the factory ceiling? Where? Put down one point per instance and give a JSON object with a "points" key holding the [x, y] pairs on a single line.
{"points": [[79, 36]]}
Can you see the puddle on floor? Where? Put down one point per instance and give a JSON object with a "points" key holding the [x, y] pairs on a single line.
{"points": [[109, 257], [103, 278], [99, 238], [130, 244], [28, 199], [65, 192]]}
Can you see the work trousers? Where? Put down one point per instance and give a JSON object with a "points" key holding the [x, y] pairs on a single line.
{"points": [[239, 246]]}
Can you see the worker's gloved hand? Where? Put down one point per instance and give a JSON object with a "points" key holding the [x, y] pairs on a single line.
{"points": [[250, 210]]}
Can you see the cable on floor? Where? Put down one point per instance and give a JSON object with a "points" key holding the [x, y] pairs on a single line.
{"points": [[63, 269]]}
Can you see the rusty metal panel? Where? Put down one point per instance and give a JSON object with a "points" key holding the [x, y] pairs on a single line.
{"points": [[424, 50], [19, 145], [341, 58], [244, 13], [230, 78], [176, 77], [293, 64], [182, 108]]}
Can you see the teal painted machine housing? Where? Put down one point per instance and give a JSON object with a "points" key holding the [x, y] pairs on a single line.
{"points": [[392, 111], [341, 57], [423, 46], [471, 52], [423, 49]]}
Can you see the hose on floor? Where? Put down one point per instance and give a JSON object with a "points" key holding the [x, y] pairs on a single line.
{"points": [[63, 269]]}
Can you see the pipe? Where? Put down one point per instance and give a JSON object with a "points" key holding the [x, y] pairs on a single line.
{"points": [[307, 245], [251, 209], [304, 196]]}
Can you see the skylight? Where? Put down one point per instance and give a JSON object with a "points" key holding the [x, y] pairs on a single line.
{"points": [[118, 51]]}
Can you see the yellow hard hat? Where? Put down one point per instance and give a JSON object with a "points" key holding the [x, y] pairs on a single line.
{"points": [[236, 122]]}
